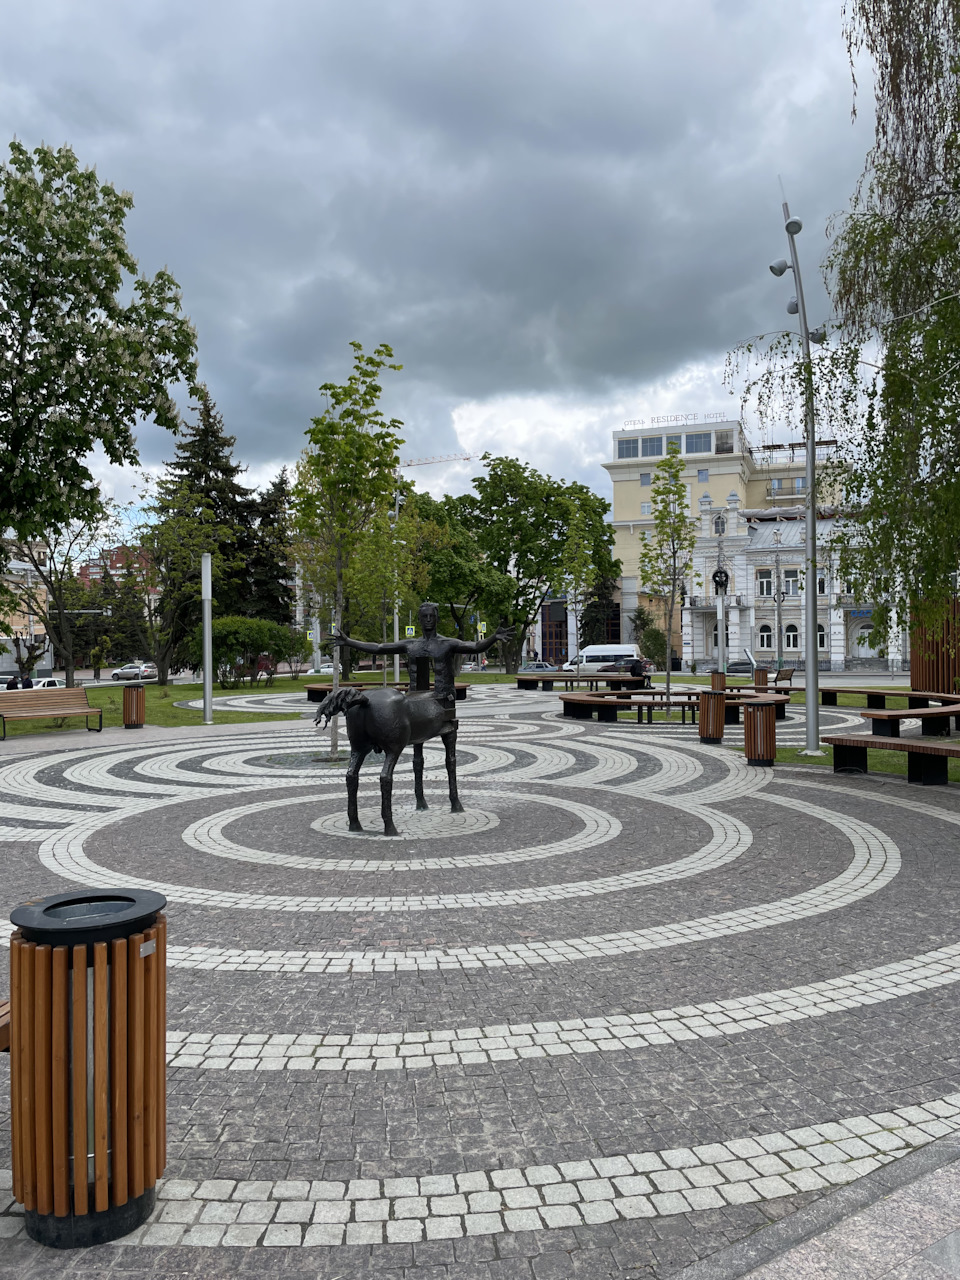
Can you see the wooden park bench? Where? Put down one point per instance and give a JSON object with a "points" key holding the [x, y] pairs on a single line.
{"points": [[41, 704], [934, 721], [926, 760], [877, 698], [4, 1026], [607, 704], [317, 692]]}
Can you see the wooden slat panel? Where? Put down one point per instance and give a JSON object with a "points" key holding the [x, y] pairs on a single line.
{"points": [[42, 1081], [135, 1066], [151, 1072], [28, 957], [15, 1132], [60, 1051], [162, 1044], [101, 1100], [79, 1062], [118, 1070]]}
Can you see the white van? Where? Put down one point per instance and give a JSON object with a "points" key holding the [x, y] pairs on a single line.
{"points": [[594, 656]]}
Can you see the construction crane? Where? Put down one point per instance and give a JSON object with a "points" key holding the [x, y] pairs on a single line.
{"points": [[426, 462]]}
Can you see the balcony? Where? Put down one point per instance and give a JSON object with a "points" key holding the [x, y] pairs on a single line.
{"points": [[710, 602], [790, 488]]}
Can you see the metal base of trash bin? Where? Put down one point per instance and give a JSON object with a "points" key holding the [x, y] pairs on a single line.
{"points": [[80, 1232]]}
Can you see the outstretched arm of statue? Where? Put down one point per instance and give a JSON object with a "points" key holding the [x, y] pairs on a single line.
{"points": [[365, 646], [481, 646]]}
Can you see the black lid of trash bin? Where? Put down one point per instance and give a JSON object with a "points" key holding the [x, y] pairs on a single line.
{"points": [[87, 915]]}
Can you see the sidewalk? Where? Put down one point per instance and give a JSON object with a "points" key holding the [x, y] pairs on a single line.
{"points": [[901, 1223]]}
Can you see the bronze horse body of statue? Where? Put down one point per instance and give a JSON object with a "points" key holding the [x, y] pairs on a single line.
{"points": [[387, 720]]}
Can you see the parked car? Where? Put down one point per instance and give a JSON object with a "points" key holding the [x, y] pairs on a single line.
{"points": [[741, 667], [324, 669], [50, 682], [136, 671], [538, 666]]}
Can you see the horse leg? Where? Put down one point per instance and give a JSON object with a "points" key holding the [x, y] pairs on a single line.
{"points": [[418, 775], [386, 792], [450, 748], [357, 758]]}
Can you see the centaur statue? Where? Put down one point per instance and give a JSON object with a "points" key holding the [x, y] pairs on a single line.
{"points": [[388, 720]]}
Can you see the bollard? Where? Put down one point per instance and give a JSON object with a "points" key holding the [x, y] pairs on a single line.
{"points": [[713, 704], [760, 678], [134, 706], [88, 1063], [760, 732]]}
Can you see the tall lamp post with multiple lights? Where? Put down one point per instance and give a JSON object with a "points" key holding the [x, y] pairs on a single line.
{"points": [[796, 306]]}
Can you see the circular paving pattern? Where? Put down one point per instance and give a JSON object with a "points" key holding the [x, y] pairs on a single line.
{"points": [[635, 983]]}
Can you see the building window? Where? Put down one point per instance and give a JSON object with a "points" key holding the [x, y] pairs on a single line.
{"points": [[724, 442], [726, 634], [627, 448], [765, 638], [651, 447], [821, 636], [719, 525], [776, 485], [698, 442], [703, 476], [674, 442], [800, 485], [764, 582], [822, 585], [646, 508], [791, 582], [791, 637], [645, 477]]}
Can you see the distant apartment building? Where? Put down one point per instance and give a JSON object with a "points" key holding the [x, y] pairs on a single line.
{"points": [[748, 504]]}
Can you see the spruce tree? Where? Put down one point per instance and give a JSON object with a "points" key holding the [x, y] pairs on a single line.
{"points": [[269, 568]]}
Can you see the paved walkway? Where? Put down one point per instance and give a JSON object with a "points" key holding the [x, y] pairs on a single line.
{"points": [[640, 1011]]}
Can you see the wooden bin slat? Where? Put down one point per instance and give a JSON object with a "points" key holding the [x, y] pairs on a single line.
{"points": [[162, 1044], [151, 1073], [42, 1080], [101, 1102], [79, 1099], [28, 956], [15, 1131], [118, 1071], [135, 1066], [60, 1064]]}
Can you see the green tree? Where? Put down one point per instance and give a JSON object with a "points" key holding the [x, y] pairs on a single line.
{"points": [[599, 609], [521, 519], [239, 645], [79, 366], [268, 563], [577, 572], [346, 476], [666, 554]]}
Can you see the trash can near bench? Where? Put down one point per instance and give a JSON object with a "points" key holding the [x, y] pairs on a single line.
{"points": [[718, 680], [134, 706], [713, 705], [88, 1062], [760, 732]]}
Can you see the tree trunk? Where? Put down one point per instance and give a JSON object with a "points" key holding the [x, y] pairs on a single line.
{"points": [[669, 630]]}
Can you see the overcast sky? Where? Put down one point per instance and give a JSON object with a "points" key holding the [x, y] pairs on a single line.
{"points": [[559, 215]]}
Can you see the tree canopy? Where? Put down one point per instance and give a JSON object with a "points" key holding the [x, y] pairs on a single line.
{"points": [[78, 365]]}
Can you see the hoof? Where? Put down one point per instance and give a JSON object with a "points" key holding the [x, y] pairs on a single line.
{"points": [[421, 806], [456, 807], [355, 826], [391, 830]]}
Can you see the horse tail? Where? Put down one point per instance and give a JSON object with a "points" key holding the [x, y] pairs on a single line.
{"points": [[342, 700]]}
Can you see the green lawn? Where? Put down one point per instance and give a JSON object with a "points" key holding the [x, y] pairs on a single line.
{"points": [[160, 710]]}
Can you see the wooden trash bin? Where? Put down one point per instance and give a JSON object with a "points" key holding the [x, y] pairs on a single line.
{"points": [[760, 732], [134, 706], [760, 678], [713, 705], [88, 1063], [718, 680]]}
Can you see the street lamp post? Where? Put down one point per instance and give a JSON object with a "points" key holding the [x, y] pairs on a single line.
{"points": [[796, 306], [778, 598]]}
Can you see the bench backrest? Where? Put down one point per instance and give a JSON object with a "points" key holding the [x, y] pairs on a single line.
{"points": [[43, 701], [785, 673]]}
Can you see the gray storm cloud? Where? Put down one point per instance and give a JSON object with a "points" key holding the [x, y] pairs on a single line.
{"points": [[566, 200]]}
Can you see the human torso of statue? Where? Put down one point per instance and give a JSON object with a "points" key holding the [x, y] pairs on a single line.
{"points": [[440, 650]]}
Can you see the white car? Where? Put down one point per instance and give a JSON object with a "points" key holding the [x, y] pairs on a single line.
{"points": [[324, 669], [50, 682]]}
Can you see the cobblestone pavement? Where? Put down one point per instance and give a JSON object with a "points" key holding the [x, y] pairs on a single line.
{"points": [[637, 1006]]}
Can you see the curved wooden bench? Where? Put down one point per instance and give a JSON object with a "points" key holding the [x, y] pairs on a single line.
{"points": [[926, 760], [607, 705], [42, 704]]}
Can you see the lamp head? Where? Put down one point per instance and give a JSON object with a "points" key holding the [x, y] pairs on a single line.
{"points": [[793, 307], [780, 266], [793, 226], [819, 335]]}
